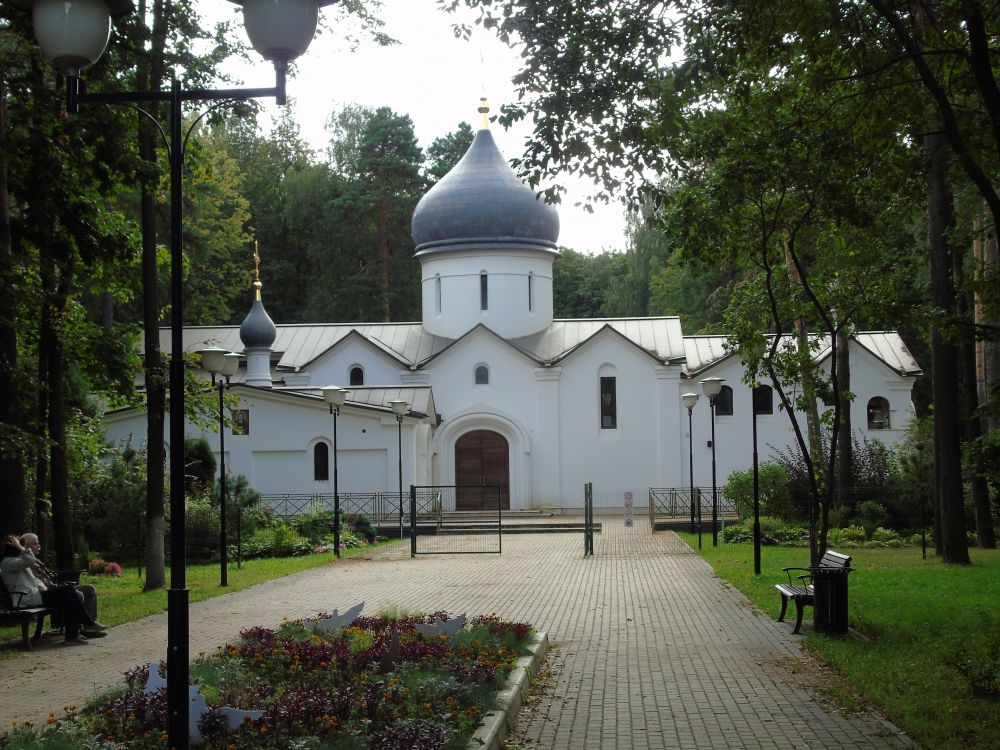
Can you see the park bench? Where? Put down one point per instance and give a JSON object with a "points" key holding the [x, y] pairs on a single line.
{"points": [[803, 593], [13, 614]]}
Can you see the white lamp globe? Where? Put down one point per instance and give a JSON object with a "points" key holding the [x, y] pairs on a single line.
{"points": [[399, 408], [280, 30], [213, 359], [72, 33], [712, 386], [230, 364], [689, 400], [334, 395]]}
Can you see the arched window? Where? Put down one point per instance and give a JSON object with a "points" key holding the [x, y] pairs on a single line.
{"points": [[484, 288], [482, 375], [357, 376], [878, 414], [321, 462], [437, 293], [763, 400], [724, 402]]}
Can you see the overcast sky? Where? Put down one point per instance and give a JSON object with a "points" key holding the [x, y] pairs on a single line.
{"points": [[431, 76]]}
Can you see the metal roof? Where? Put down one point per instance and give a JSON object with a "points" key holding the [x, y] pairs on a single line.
{"points": [[887, 346], [298, 346], [419, 397]]}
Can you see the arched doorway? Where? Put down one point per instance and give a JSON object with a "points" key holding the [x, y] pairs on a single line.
{"points": [[481, 460]]}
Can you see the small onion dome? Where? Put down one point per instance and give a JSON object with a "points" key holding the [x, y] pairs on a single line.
{"points": [[482, 204], [257, 329]]}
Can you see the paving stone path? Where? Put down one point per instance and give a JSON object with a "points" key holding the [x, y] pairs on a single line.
{"points": [[653, 651]]}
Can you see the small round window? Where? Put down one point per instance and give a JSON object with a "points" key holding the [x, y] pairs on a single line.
{"points": [[482, 375]]}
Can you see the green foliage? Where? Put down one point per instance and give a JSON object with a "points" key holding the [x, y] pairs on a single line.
{"points": [[363, 527], [580, 282], [199, 463], [871, 515], [775, 498], [108, 491], [446, 151], [772, 531], [314, 524], [850, 536]]}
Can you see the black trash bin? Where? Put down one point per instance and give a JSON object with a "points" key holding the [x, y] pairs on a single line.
{"points": [[830, 599]]}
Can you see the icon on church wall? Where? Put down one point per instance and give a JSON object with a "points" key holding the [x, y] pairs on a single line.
{"points": [[241, 422]]}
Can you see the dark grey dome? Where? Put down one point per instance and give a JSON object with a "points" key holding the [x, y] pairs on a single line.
{"points": [[481, 203], [257, 329]]}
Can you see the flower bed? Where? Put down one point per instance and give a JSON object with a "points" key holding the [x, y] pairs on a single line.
{"points": [[375, 684]]}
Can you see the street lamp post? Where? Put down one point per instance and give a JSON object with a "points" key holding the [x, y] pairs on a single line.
{"points": [[689, 400], [713, 387], [756, 488], [335, 396], [220, 362], [399, 408], [72, 35]]}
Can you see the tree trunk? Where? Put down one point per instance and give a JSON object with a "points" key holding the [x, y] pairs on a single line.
{"points": [[62, 526], [818, 510], [944, 355], [42, 510], [383, 258], [987, 349], [985, 536], [13, 506]]}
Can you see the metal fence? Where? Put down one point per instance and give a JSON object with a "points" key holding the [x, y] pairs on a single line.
{"points": [[475, 528]]}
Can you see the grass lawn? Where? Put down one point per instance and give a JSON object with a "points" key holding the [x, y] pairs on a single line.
{"points": [[122, 599], [933, 661]]}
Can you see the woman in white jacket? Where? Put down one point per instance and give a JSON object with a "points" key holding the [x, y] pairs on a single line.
{"points": [[15, 568]]}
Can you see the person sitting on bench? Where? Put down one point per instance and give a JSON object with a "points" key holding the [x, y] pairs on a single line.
{"points": [[15, 568], [41, 571]]}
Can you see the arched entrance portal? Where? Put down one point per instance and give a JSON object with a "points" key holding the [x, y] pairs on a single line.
{"points": [[481, 460]]}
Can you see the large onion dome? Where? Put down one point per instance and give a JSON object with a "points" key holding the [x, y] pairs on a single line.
{"points": [[481, 203]]}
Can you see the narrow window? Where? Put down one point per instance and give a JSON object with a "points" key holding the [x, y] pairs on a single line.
{"points": [[878, 414], [357, 376], [484, 303], [609, 407], [763, 400], [531, 279], [724, 402], [321, 462], [482, 375], [437, 292]]}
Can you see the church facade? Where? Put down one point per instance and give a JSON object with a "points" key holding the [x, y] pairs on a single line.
{"points": [[499, 393]]}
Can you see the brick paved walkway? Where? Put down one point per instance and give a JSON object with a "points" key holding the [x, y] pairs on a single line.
{"points": [[653, 650]]}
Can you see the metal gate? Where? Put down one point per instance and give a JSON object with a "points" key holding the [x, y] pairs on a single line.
{"points": [[474, 530]]}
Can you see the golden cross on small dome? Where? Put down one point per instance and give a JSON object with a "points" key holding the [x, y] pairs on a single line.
{"points": [[256, 262]]}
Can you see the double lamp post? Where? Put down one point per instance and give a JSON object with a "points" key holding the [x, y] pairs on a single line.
{"points": [[72, 34]]}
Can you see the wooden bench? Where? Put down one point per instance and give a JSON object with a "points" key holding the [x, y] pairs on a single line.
{"points": [[12, 614], [802, 593]]}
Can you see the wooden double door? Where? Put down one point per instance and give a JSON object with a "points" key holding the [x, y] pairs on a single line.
{"points": [[482, 463]]}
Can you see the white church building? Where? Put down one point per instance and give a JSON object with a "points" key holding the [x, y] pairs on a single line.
{"points": [[498, 393]]}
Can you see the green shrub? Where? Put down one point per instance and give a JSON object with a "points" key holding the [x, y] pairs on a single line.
{"points": [[199, 463], [775, 498], [362, 526], [886, 538], [870, 515], [772, 531], [315, 523]]}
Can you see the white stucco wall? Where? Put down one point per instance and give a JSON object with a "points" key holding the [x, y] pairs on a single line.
{"points": [[507, 279]]}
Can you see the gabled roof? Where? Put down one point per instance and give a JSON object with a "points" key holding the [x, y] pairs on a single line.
{"points": [[296, 347], [704, 352], [661, 338]]}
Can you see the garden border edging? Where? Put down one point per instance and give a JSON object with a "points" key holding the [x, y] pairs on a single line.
{"points": [[497, 722]]}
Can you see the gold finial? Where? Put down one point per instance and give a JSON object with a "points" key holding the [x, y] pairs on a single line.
{"points": [[484, 110], [256, 262]]}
